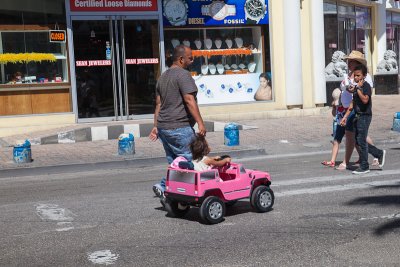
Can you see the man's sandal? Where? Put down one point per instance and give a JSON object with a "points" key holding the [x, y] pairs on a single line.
{"points": [[328, 163]]}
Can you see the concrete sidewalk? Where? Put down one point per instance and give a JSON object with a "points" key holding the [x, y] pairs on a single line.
{"points": [[270, 136]]}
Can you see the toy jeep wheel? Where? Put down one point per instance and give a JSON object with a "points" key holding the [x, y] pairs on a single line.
{"points": [[262, 198], [176, 209], [212, 210]]}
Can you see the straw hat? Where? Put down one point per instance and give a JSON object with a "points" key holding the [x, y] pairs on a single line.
{"points": [[357, 56], [335, 95]]}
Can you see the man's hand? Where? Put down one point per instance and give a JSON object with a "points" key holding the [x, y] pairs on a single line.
{"points": [[153, 136], [202, 130]]}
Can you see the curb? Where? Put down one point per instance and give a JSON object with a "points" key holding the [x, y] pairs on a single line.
{"points": [[112, 132], [142, 162]]}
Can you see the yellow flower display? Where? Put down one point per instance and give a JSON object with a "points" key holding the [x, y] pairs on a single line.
{"points": [[26, 57]]}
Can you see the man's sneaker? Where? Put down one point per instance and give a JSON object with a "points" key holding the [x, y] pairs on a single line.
{"points": [[158, 190], [382, 159], [360, 171]]}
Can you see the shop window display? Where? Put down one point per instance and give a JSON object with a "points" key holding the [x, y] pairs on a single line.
{"points": [[42, 70], [26, 54], [227, 61]]}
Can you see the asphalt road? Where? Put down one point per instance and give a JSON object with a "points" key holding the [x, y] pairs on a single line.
{"points": [[321, 217]]}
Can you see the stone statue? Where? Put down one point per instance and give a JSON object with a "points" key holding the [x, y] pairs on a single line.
{"points": [[338, 67], [389, 62]]}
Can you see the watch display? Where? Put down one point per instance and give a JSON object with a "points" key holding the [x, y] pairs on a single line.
{"points": [[175, 11], [255, 10], [218, 10]]}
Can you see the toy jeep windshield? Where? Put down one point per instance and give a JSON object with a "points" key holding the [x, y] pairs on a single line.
{"points": [[212, 190]]}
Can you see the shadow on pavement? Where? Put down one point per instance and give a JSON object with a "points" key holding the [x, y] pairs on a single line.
{"points": [[193, 215], [387, 200]]}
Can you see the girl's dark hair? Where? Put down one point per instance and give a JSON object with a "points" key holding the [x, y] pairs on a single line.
{"points": [[362, 68], [199, 147]]}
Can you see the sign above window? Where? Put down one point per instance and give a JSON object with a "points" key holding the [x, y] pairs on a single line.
{"points": [[214, 12], [113, 5], [57, 36]]}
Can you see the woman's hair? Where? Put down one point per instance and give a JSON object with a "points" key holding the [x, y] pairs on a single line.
{"points": [[199, 147], [263, 75]]}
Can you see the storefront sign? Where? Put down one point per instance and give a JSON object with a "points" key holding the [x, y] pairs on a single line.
{"points": [[57, 36], [212, 12], [128, 61], [113, 5], [93, 63], [141, 61]]}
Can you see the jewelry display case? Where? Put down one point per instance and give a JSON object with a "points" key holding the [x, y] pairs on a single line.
{"points": [[227, 62], [238, 49]]}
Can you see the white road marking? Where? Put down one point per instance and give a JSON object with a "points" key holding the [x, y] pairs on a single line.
{"points": [[284, 141], [334, 188], [105, 257], [289, 155], [346, 176], [66, 226], [385, 217], [53, 212]]}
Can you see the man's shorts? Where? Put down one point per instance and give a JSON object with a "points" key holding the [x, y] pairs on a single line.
{"points": [[350, 122], [340, 130]]}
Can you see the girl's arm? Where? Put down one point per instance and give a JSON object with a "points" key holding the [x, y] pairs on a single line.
{"points": [[349, 110], [215, 162]]}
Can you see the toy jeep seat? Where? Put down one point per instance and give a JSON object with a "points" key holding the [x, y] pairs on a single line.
{"points": [[228, 174]]}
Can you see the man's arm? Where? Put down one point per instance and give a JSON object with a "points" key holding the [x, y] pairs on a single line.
{"points": [[154, 132], [194, 110]]}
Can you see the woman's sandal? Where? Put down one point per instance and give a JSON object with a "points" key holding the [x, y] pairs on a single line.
{"points": [[341, 167], [328, 163]]}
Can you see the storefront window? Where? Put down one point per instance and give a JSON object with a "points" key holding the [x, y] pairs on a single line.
{"points": [[347, 28], [27, 54], [228, 59], [331, 30], [393, 33]]}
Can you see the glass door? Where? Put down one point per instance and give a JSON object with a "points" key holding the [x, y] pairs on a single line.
{"points": [[347, 35], [116, 65]]}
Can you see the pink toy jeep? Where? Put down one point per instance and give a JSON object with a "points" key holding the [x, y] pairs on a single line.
{"points": [[214, 189]]}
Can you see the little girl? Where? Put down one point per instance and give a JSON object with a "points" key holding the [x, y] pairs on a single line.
{"points": [[200, 150], [338, 111]]}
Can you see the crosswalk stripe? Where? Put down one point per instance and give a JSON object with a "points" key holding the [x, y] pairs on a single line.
{"points": [[324, 189], [329, 178]]}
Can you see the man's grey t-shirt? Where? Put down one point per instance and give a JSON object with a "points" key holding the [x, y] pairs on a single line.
{"points": [[171, 87]]}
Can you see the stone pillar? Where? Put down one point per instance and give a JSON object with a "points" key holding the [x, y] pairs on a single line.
{"points": [[318, 51], [313, 54], [378, 35], [292, 44]]}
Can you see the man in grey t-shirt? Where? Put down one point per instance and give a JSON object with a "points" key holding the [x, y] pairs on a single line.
{"points": [[176, 110]]}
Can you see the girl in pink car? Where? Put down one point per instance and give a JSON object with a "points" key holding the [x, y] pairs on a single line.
{"points": [[200, 149]]}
